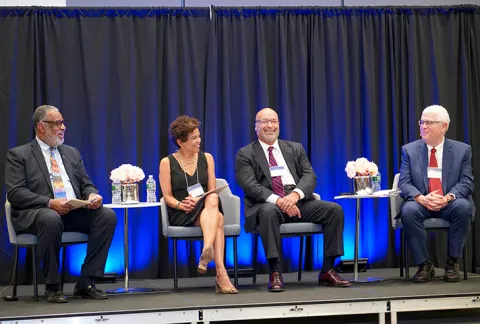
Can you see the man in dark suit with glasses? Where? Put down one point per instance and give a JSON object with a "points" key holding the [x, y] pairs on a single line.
{"points": [[40, 177]]}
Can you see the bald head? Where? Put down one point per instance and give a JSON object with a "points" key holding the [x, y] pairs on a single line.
{"points": [[267, 126], [269, 112]]}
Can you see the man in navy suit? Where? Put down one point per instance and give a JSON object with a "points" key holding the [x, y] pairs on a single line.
{"points": [[40, 177], [278, 181], [436, 180]]}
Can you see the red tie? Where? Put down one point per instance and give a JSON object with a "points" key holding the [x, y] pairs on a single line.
{"points": [[434, 183], [277, 183]]}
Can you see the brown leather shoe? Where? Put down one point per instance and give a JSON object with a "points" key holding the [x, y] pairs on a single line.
{"points": [[332, 278], [452, 273], [424, 273], [275, 283]]}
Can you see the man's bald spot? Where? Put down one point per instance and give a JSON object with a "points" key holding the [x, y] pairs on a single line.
{"points": [[265, 111]]}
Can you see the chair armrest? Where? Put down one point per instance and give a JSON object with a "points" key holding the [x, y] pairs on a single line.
{"points": [[316, 196], [396, 202]]}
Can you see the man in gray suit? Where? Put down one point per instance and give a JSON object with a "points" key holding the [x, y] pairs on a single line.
{"points": [[40, 177], [436, 180], [278, 182]]}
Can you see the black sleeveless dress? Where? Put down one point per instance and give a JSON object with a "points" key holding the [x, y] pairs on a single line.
{"points": [[179, 189]]}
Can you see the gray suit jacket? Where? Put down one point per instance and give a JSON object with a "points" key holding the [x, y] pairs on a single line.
{"points": [[457, 176], [28, 182], [252, 173]]}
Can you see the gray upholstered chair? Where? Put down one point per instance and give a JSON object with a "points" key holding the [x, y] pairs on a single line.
{"points": [[288, 230], [30, 241], [430, 224], [231, 210]]}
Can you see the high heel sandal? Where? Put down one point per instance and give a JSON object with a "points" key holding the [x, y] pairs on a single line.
{"points": [[228, 291], [205, 259]]}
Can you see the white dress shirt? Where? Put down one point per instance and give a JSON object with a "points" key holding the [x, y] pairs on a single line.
{"points": [[287, 178], [45, 148]]}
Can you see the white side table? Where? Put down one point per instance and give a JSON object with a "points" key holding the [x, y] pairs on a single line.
{"points": [[357, 232], [125, 208]]}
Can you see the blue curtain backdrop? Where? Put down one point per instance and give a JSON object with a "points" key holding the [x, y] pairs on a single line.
{"points": [[346, 83]]}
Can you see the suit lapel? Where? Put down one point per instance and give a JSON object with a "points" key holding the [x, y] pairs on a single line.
{"points": [[423, 162], [446, 163], [262, 161], [288, 156], [37, 153]]}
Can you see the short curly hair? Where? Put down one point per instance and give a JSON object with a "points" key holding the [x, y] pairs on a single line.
{"points": [[181, 127]]}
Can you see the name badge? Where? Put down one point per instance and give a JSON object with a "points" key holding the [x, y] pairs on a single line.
{"points": [[196, 190], [277, 171], [434, 173]]}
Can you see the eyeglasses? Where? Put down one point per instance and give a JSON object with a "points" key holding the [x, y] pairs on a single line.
{"points": [[265, 122], [428, 122], [57, 123]]}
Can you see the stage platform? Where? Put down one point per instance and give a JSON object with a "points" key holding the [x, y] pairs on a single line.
{"points": [[196, 301]]}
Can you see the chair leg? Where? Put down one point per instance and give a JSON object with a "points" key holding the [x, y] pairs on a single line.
{"points": [[64, 257], [15, 273], [255, 253], [402, 261], [465, 269], [300, 258], [405, 257], [35, 284], [175, 278], [235, 262]]}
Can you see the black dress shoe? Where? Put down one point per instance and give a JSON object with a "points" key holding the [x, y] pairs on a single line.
{"points": [[451, 272], [425, 272], [55, 296], [89, 293], [275, 284], [332, 278]]}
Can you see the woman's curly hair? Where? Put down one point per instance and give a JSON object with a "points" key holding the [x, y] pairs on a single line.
{"points": [[181, 127]]}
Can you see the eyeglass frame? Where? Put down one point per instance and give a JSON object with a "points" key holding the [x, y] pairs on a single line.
{"points": [[267, 121], [429, 123], [57, 123]]}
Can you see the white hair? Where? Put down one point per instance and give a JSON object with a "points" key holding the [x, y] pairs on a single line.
{"points": [[439, 111]]}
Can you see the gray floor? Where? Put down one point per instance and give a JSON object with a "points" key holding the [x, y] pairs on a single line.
{"points": [[197, 293]]}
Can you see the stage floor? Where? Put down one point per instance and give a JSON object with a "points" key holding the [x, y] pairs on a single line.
{"points": [[197, 299]]}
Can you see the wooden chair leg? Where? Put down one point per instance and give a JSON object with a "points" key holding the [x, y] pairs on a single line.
{"points": [[255, 255], [235, 262], [175, 277], [35, 283], [465, 263], [300, 258]]}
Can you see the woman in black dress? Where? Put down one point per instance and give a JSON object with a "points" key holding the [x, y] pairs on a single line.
{"points": [[184, 175]]}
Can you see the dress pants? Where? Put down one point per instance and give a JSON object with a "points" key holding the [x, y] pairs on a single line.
{"points": [[48, 225], [459, 213], [328, 214]]}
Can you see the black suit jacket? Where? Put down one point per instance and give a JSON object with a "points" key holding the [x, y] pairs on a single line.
{"points": [[28, 182], [252, 173]]}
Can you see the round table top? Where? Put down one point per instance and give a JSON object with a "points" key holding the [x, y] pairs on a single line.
{"points": [[139, 205]]}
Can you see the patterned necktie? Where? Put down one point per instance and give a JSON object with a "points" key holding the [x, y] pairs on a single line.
{"points": [[434, 183], [277, 183], [58, 187]]}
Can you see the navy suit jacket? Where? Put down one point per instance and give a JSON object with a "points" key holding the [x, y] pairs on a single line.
{"points": [[28, 182], [252, 173], [457, 176]]}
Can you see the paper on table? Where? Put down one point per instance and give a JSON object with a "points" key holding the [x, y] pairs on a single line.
{"points": [[77, 203], [216, 190], [388, 192]]}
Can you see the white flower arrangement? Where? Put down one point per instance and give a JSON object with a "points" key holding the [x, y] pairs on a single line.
{"points": [[127, 173], [361, 167]]}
